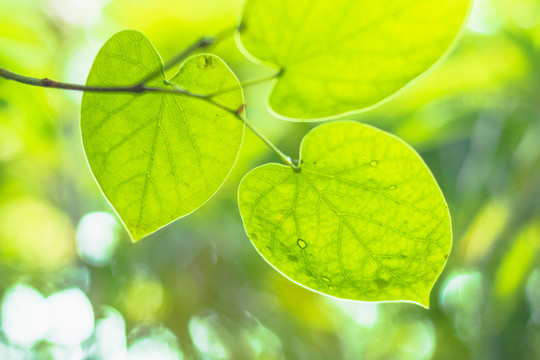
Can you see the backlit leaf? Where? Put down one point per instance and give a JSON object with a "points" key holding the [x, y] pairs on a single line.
{"points": [[158, 156], [346, 55], [363, 219]]}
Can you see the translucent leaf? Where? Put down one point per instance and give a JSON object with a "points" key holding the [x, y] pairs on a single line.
{"points": [[363, 219], [158, 156], [341, 56]]}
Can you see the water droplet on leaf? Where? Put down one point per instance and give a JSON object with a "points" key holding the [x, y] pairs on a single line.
{"points": [[301, 243], [374, 163]]}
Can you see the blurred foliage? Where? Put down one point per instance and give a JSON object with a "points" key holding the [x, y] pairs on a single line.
{"points": [[74, 287]]}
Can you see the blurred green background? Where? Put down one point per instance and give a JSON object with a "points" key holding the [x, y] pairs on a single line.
{"points": [[74, 287]]}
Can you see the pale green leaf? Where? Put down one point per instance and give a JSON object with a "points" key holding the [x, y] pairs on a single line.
{"points": [[346, 55], [158, 156], [363, 219]]}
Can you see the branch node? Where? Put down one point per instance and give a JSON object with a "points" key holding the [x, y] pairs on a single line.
{"points": [[47, 82], [139, 88]]}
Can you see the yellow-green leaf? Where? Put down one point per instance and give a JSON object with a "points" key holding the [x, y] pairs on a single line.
{"points": [[363, 219], [341, 56], [158, 156]]}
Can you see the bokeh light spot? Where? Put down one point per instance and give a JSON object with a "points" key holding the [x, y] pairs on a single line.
{"points": [[204, 332], [25, 317], [97, 238], [160, 343], [36, 234], [110, 335], [72, 317]]}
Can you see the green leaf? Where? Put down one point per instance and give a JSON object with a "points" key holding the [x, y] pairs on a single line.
{"points": [[363, 219], [341, 56], [158, 156]]}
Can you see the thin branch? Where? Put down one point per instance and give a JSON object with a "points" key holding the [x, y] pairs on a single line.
{"points": [[48, 83], [141, 87]]}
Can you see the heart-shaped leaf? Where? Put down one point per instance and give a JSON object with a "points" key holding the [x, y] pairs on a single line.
{"points": [[158, 156], [341, 56], [363, 219]]}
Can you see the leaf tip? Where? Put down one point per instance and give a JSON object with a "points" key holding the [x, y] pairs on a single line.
{"points": [[135, 235], [425, 303], [422, 300]]}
